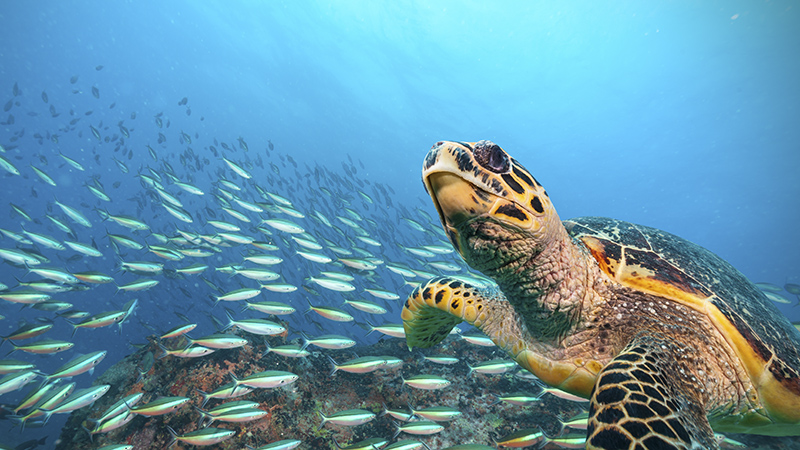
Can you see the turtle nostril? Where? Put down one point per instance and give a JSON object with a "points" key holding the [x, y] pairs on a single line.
{"points": [[491, 156], [438, 144]]}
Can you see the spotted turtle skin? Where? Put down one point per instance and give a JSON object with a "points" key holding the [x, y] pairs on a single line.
{"points": [[668, 341]]}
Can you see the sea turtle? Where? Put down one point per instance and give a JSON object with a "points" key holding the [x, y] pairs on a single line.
{"points": [[664, 337]]}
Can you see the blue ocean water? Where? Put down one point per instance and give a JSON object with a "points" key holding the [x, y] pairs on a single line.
{"points": [[678, 115]]}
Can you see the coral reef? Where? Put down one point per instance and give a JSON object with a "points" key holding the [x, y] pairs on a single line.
{"points": [[293, 409]]}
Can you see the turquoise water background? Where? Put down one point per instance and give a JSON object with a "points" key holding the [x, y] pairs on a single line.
{"points": [[683, 116]]}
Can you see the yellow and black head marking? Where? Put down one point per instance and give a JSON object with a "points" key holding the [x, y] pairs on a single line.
{"points": [[479, 180]]}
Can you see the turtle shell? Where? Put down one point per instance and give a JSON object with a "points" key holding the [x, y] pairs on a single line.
{"points": [[659, 263]]}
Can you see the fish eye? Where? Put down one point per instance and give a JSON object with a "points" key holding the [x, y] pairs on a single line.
{"points": [[491, 156]]}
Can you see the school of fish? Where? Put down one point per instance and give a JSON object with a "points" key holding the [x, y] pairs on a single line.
{"points": [[229, 235]]}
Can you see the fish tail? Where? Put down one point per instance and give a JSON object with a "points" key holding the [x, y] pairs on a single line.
{"points": [[303, 336], [471, 369], [91, 437], [230, 320], [203, 415], [164, 349], [236, 382], [205, 397], [371, 328], [397, 432], [94, 422], [174, 436], [324, 419], [47, 414], [333, 363], [411, 408]]}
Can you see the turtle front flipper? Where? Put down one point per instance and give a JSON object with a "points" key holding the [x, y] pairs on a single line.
{"points": [[642, 401], [434, 308]]}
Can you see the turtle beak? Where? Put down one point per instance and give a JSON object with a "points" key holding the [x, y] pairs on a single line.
{"points": [[452, 196], [457, 200]]}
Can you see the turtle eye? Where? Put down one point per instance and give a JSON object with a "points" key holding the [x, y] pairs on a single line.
{"points": [[491, 156]]}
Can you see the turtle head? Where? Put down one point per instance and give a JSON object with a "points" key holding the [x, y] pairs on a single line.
{"points": [[495, 213]]}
